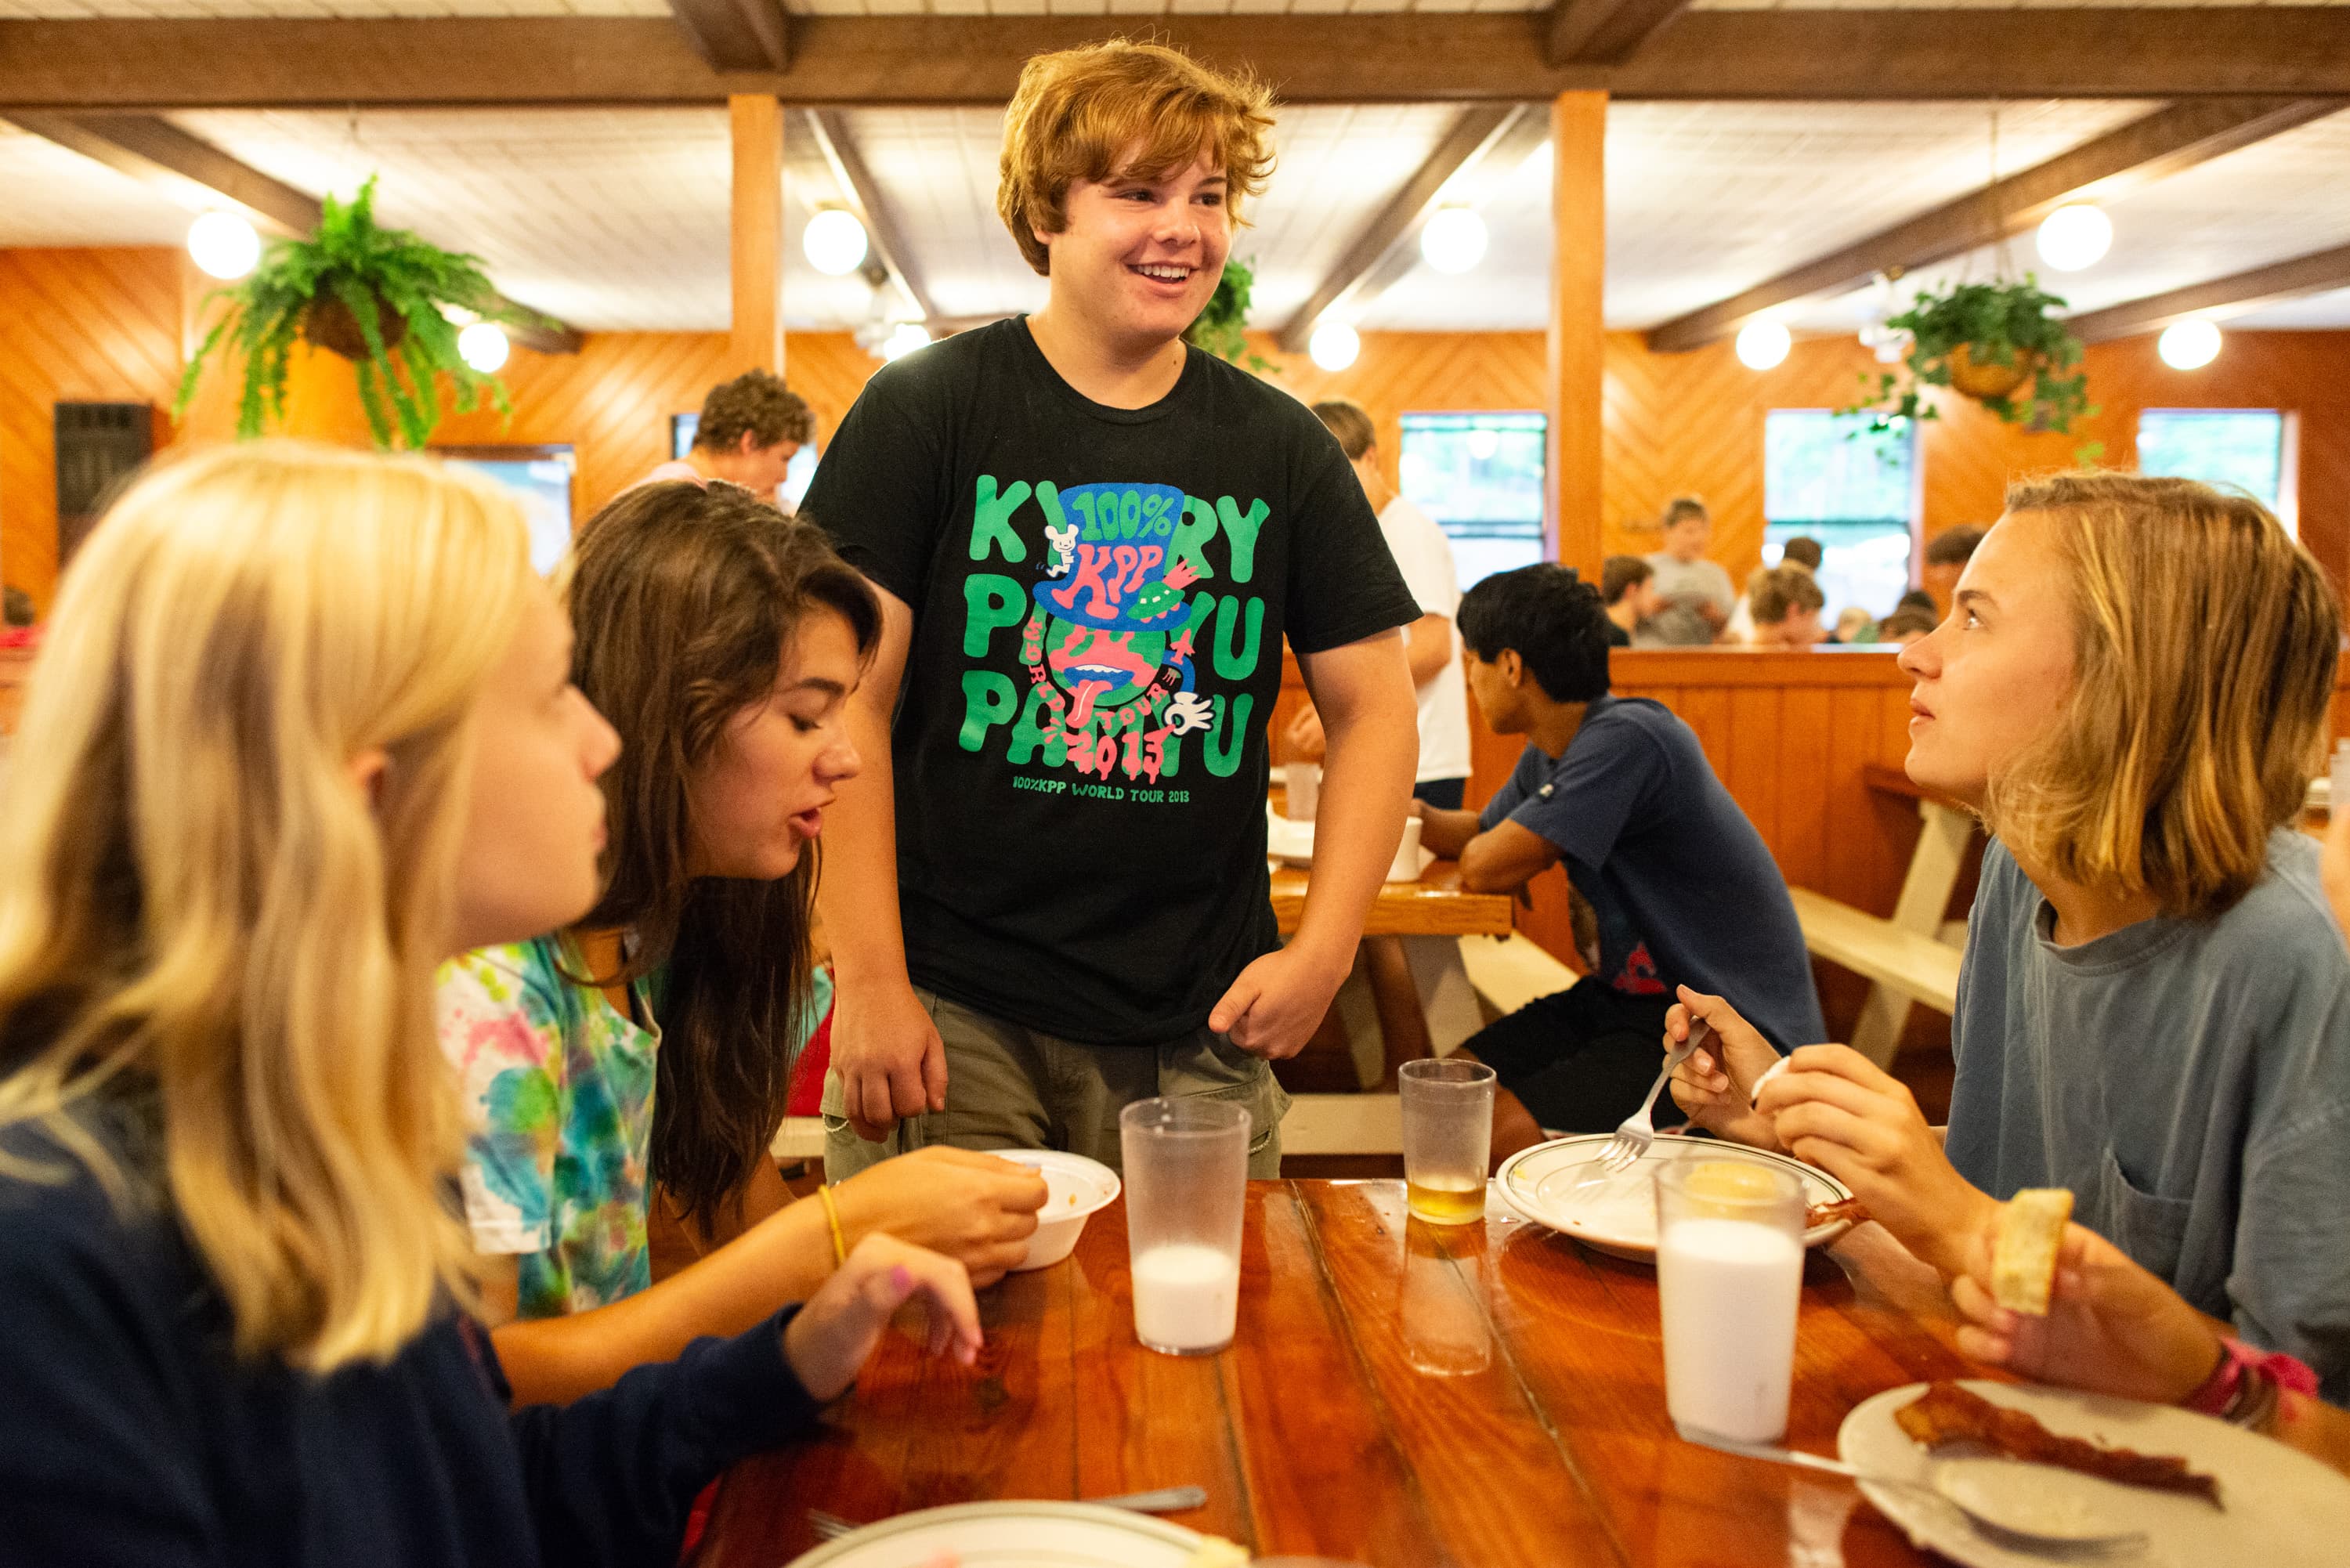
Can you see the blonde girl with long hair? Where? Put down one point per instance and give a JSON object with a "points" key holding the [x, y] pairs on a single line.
{"points": [[2154, 1006], [303, 728]]}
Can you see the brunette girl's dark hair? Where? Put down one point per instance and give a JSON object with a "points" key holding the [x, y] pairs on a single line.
{"points": [[683, 600]]}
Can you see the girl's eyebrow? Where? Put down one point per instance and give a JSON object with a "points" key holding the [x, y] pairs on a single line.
{"points": [[818, 683], [1973, 596]]}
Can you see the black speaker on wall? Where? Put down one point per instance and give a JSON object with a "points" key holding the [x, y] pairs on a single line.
{"points": [[100, 447]]}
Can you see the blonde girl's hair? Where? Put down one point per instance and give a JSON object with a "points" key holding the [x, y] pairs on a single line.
{"points": [[1077, 111], [2204, 645], [203, 915]]}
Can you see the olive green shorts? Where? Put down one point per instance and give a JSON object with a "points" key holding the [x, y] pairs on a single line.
{"points": [[1013, 1087]]}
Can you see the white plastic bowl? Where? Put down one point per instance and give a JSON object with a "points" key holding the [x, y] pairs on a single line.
{"points": [[1074, 1188]]}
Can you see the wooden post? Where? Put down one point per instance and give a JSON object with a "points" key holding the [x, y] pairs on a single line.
{"points": [[758, 232], [1578, 268]]}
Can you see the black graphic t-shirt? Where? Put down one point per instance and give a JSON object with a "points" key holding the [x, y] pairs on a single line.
{"points": [[1099, 599]]}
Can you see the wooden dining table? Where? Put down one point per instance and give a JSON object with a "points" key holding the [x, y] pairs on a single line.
{"points": [[1399, 1396]]}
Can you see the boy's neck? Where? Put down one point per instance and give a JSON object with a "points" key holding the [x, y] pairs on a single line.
{"points": [[1554, 726], [1106, 370], [1623, 615]]}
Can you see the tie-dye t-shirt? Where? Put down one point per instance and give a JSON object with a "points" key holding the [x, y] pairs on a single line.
{"points": [[558, 1094]]}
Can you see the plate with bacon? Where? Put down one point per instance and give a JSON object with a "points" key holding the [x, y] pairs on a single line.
{"points": [[1560, 1184], [2203, 1493]]}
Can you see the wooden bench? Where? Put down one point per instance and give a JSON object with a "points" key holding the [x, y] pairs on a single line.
{"points": [[1912, 957]]}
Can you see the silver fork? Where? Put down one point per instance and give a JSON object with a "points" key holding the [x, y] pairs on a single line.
{"points": [[1167, 1500], [1639, 1129]]}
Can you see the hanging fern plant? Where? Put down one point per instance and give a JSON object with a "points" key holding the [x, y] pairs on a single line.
{"points": [[1994, 342], [372, 295], [1221, 328]]}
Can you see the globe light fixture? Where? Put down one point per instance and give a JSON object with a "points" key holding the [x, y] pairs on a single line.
{"points": [[1483, 443], [904, 338], [1454, 240], [834, 242], [224, 244], [484, 346], [2075, 235], [2188, 344], [1762, 344], [1333, 344]]}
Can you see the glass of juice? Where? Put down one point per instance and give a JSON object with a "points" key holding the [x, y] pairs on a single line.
{"points": [[1730, 1272], [1186, 1185], [1448, 1134]]}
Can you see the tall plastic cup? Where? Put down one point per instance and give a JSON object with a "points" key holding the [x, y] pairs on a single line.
{"points": [[1730, 1273], [1186, 1185]]}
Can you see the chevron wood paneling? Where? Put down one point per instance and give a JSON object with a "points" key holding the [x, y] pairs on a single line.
{"points": [[75, 325]]}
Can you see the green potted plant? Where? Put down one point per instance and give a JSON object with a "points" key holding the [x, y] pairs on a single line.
{"points": [[1221, 328], [1986, 341], [372, 295]]}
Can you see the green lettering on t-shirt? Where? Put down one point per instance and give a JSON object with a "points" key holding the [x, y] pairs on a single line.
{"points": [[1192, 536], [1241, 664], [1227, 742], [991, 601], [1239, 533], [1038, 726], [987, 702], [990, 519], [1048, 496]]}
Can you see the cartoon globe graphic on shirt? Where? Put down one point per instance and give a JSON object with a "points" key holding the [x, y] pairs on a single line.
{"points": [[1111, 636]]}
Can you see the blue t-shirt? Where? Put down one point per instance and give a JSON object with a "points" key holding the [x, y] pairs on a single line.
{"points": [[1685, 890], [2188, 1079]]}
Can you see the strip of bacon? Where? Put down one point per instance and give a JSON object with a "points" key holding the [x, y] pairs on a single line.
{"points": [[1947, 1412], [1849, 1210]]}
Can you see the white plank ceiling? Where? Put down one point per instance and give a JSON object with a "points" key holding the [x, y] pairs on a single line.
{"points": [[616, 219]]}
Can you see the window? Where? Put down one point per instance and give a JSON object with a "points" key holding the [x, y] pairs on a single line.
{"points": [[1829, 476], [539, 477], [1481, 476], [2246, 448], [798, 473]]}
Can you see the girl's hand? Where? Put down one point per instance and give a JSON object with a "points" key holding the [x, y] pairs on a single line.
{"points": [[973, 1207], [2111, 1328], [1835, 1108], [1715, 1084], [828, 1342]]}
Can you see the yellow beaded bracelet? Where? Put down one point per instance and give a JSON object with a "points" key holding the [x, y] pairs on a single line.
{"points": [[832, 1213]]}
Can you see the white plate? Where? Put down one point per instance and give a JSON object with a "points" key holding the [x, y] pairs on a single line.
{"points": [[2279, 1509], [1012, 1535], [1618, 1216], [1292, 844]]}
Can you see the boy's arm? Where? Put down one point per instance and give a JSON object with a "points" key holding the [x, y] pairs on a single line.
{"points": [[1363, 691], [1502, 858], [884, 1047]]}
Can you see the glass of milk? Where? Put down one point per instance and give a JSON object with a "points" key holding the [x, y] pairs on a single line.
{"points": [[1730, 1269], [1186, 1185]]}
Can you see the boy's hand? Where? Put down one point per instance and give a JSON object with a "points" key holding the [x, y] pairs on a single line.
{"points": [[1305, 737], [1835, 1108], [890, 1060], [1716, 1084], [1275, 1005], [828, 1342]]}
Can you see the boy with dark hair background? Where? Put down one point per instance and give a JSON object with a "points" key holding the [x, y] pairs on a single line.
{"points": [[1628, 584], [749, 431], [1619, 790]]}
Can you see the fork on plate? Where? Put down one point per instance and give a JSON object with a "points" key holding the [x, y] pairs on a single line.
{"points": [[1639, 1129]]}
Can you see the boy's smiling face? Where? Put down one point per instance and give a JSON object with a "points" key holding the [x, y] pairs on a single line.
{"points": [[1140, 257]]}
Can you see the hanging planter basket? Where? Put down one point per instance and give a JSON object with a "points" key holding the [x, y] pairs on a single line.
{"points": [[328, 323], [1986, 378]]}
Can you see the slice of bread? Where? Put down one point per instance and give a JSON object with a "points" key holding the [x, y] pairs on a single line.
{"points": [[2023, 1254]]}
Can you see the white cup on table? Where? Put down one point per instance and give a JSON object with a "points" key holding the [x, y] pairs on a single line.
{"points": [[1404, 866], [1186, 1190], [1730, 1273], [1304, 782]]}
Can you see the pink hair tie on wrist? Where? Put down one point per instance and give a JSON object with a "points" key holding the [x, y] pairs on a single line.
{"points": [[2243, 1388]]}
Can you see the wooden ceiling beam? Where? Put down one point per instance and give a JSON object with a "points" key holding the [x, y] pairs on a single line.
{"points": [[882, 226], [1398, 224], [737, 34], [2160, 144], [1603, 32], [2317, 273], [193, 171], [1402, 58]]}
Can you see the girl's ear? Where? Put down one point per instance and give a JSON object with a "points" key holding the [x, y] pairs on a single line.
{"points": [[367, 770]]}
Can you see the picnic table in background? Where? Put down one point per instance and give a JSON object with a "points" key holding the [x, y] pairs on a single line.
{"points": [[1318, 1431]]}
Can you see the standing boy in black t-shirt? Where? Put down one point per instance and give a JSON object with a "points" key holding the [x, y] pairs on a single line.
{"points": [[1047, 897], [1619, 790]]}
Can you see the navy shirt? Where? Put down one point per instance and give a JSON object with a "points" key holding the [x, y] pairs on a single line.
{"points": [[1685, 890], [129, 1432]]}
